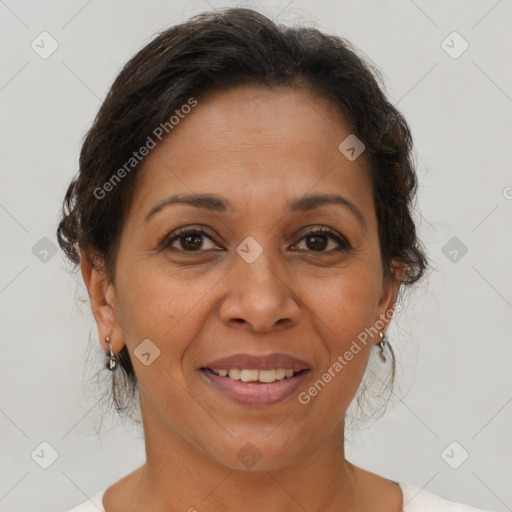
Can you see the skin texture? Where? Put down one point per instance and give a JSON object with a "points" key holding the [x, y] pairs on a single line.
{"points": [[258, 148]]}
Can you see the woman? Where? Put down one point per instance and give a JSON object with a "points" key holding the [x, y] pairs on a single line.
{"points": [[242, 219]]}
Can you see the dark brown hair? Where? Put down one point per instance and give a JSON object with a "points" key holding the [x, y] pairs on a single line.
{"points": [[215, 52]]}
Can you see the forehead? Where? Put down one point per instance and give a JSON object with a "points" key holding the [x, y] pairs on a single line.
{"points": [[252, 142]]}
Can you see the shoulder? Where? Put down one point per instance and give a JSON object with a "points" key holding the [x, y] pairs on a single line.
{"points": [[419, 500], [95, 504]]}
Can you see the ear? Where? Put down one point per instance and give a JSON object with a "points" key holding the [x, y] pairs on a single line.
{"points": [[103, 302], [386, 305]]}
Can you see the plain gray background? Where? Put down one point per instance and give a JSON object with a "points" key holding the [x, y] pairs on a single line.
{"points": [[453, 339]]}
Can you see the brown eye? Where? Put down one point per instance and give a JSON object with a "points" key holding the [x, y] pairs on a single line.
{"points": [[187, 240], [191, 242], [319, 240]]}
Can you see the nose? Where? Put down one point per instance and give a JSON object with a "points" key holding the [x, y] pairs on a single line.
{"points": [[260, 297]]}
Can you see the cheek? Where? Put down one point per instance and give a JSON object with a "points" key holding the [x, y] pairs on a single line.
{"points": [[345, 303], [343, 312], [344, 335], [153, 299], [167, 309]]}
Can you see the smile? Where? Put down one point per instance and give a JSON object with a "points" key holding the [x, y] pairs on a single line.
{"points": [[255, 387]]}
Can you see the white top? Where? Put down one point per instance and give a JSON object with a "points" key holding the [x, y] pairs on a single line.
{"points": [[415, 500]]}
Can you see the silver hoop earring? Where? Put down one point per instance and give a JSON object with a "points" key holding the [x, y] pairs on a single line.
{"points": [[382, 346], [112, 361]]}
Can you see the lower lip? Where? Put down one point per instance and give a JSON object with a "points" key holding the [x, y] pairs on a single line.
{"points": [[255, 393]]}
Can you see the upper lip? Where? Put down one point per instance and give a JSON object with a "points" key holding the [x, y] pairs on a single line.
{"points": [[258, 362]]}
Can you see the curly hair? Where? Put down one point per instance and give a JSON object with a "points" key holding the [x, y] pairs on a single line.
{"points": [[216, 51]]}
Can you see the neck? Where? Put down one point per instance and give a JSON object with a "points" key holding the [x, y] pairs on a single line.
{"points": [[180, 476]]}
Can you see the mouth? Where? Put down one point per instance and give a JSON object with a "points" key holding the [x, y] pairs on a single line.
{"points": [[255, 387]]}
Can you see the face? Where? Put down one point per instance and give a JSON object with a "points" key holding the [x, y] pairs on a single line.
{"points": [[257, 269]]}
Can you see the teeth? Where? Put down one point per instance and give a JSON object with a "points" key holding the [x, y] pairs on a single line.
{"points": [[281, 374], [249, 375], [265, 376], [234, 374]]}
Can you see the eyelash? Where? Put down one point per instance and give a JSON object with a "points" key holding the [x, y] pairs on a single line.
{"points": [[168, 239]]}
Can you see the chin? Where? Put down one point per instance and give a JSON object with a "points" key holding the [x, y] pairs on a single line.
{"points": [[256, 453]]}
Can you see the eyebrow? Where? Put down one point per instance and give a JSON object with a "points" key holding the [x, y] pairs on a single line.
{"points": [[209, 202], [215, 203]]}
